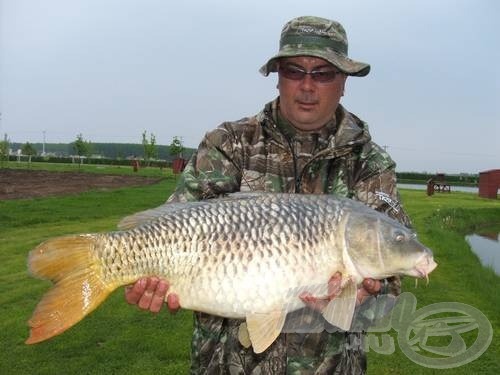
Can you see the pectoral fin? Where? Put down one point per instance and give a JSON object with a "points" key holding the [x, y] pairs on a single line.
{"points": [[340, 310], [263, 329], [244, 336]]}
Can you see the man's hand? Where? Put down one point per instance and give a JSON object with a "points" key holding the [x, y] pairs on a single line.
{"points": [[369, 287], [319, 303], [149, 294]]}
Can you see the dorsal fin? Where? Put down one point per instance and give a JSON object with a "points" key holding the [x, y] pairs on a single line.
{"points": [[152, 214], [247, 195]]}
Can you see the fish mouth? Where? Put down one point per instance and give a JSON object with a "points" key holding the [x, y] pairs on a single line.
{"points": [[424, 267]]}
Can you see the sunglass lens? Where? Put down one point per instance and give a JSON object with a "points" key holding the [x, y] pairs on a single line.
{"points": [[295, 74], [292, 73], [324, 76]]}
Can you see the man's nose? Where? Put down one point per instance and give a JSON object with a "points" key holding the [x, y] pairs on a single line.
{"points": [[307, 83]]}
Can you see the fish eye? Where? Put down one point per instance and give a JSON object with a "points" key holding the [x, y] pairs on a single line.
{"points": [[399, 236]]}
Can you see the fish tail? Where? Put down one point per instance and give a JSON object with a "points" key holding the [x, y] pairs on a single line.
{"points": [[71, 264]]}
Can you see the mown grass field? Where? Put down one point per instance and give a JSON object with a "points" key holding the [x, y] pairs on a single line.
{"points": [[102, 169], [120, 339], [117, 338], [441, 222]]}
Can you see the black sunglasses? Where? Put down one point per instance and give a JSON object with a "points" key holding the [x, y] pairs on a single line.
{"points": [[298, 74]]}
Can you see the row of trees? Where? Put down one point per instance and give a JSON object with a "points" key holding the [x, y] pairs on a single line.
{"points": [[85, 148], [27, 149], [151, 151]]}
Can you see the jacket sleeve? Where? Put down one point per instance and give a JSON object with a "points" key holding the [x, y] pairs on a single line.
{"points": [[214, 169], [375, 183], [380, 193], [376, 187]]}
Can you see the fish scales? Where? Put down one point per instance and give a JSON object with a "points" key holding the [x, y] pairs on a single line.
{"points": [[204, 265], [249, 256]]}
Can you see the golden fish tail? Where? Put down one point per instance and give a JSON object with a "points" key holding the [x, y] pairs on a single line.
{"points": [[69, 262]]}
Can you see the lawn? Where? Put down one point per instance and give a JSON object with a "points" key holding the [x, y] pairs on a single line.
{"points": [[102, 169], [118, 338], [441, 222]]}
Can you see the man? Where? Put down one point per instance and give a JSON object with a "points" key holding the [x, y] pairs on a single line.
{"points": [[302, 142]]}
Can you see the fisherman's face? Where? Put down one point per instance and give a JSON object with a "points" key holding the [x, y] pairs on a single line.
{"points": [[309, 101]]}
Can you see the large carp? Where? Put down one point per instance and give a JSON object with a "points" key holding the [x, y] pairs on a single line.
{"points": [[242, 256]]}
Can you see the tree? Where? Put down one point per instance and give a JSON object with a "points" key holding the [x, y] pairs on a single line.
{"points": [[176, 148], [4, 151], [150, 149], [82, 147], [28, 150]]}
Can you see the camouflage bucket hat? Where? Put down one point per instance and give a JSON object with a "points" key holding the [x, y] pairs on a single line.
{"points": [[318, 37]]}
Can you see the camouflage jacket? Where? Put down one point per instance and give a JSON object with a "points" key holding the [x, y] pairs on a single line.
{"points": [[265, 153]]}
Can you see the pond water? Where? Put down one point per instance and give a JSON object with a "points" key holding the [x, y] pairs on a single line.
{"points": [[463, 189], [487, 247]]}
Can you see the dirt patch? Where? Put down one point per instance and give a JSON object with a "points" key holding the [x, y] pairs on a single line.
{"points": [[18, 183]]}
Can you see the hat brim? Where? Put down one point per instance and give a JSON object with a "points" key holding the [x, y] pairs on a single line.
{"points": [[341, 62]]}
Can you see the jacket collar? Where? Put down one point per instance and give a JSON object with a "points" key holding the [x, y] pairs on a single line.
{"points": [[341, 135]]}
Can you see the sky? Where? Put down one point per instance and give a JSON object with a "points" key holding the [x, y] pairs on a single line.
{"points": [[111, 69]]}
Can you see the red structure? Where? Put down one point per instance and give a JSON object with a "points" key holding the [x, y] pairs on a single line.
{"points": [[178, 165], [135, 165], [438, 184], [489, 182]]}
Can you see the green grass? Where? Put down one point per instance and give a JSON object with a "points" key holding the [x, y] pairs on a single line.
{"points": [[442, 221], [101, 169], [118, 338]]}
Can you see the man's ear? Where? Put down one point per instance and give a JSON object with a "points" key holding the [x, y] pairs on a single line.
{"points": [[343, 85]]}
